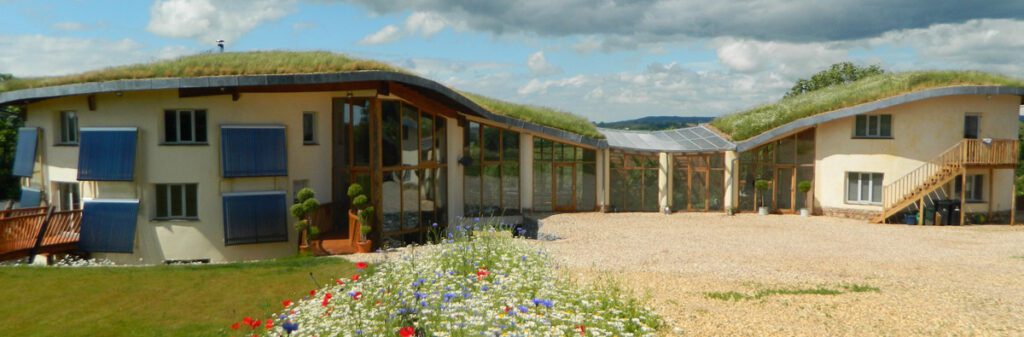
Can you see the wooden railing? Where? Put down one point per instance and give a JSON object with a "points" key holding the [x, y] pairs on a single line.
{"points": [[22, 211], [950, 162], [38, 232]]}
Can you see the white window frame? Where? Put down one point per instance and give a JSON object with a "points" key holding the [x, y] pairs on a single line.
{"points": [[184, 202], [177, 126], [975, 185], [868, 131], [861, 200], [68, 128], [313, 126], [66, 201]]}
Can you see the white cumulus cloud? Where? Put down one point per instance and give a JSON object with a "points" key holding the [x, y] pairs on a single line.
{"points": [[41, 55], [425, 24], [209, 20], [384, 35], [539, 65]]}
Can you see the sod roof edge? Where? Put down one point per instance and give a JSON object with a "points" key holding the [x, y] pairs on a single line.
{"points": [[287, 79], [820, 118]]}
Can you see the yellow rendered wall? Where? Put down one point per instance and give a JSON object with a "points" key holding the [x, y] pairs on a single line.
{"points": [[179, 239], [921, 131]]}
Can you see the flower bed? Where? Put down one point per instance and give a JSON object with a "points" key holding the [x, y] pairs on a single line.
{"points": [[482, 286]]}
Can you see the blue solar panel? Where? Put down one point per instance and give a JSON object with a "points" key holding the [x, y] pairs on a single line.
{"points": [[107, 154], [30, 198], [108, 225], [255, 217], [25, 153], [253, 151]]}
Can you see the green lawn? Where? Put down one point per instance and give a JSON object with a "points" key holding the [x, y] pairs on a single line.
{"points": [[153, 301]]}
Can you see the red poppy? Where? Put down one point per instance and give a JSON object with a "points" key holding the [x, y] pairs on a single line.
{"points": [[286, 303], [255, 324], [407, 331], [361, 265], [482, 273], [339, 282], [247, 320], [583, 330], [507, 309], [324, 303], [269, 325], [328, 296], [355, 277], [312, 292], [235, 326], [357, 295]]}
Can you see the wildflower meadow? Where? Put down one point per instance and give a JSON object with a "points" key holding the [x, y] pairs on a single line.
{"points": [[472, 282]]}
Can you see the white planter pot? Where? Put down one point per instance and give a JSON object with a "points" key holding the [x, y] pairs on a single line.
{"points": [[762, 210], [805, 212]]}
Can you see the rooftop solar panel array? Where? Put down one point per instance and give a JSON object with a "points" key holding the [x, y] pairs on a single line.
{"points": [[692, 139]]}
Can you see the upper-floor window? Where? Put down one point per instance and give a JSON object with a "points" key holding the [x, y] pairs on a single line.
{"points": [[863, 188], [68, 196], [68, 128], [972, 123], [873, 126], [176, 201], [309, 127], [185, 127]]}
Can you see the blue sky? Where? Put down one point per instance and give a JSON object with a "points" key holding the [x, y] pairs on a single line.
{"points": [[604, 59]]}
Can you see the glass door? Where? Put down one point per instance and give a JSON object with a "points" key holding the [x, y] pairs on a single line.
{"points": [[564, 176], [784, 188]]}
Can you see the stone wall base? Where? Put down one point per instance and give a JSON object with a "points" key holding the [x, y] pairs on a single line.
{"points": [[859, 214]]}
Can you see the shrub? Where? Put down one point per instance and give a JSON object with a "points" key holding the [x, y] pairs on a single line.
{"points": [[305, 206]]}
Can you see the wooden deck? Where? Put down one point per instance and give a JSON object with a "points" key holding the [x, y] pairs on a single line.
{"points": [[41, 230]]}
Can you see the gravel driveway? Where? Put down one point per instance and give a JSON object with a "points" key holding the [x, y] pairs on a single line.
{"points": [[931, 280]]}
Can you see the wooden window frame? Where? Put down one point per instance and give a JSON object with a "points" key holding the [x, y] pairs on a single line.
{"points": [[867, 132], [68, 121], [177, 127], [184, 202]]}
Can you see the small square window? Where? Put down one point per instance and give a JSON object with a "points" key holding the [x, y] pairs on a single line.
{"points": [[176, 201], [68, 128], [185, 127], [975, 188], [309, 127], [863, 188], [873, 126]]}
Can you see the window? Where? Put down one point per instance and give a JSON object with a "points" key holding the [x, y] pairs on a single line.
{"points": [[176, 201], [864, 188], [298, 185], [971, 125], [68, 128], [975, 187], [185, 127], [492, 179], [309, 128], [68, 196], [873, 126]]}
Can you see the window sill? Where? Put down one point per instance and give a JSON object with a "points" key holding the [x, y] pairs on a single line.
{"points": [[310, 143], [976, 201], [174, 220], [862, 203], [184, 144], [66, 145], [871, 137]]}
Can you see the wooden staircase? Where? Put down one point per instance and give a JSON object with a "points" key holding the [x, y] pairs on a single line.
{"points": [[936, 173]]}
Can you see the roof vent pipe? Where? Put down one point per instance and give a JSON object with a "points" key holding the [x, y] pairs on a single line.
{"points": [[220, 44]]}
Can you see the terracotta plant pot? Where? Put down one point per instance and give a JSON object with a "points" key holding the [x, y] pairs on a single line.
{"points": [[364, 246]]}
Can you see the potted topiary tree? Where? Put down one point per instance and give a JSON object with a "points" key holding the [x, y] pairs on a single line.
{"points": [[804, 187], [303, 209], [360, 215], [762, 185]]}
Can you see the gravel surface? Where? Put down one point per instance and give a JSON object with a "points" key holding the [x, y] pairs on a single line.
{"points": [[947, 281]]}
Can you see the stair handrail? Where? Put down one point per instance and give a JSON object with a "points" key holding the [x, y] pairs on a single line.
{"points": [[964, 152], [951, 158]]}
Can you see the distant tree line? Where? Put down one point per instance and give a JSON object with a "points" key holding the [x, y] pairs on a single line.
{"points": [[10, 121]]}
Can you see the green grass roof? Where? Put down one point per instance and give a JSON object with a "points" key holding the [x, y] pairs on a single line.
{"points": [[290, 62], [752, 122]]}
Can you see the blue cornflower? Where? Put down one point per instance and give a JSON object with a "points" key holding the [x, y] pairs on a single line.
{"points": [[424, 304], [434, 225], [484, 288], [419, 295], [449, 296], [523, 309], [290, 327]]}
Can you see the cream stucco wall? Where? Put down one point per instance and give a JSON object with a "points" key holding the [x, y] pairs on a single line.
{"points": [[158, 241], [921, 131]]}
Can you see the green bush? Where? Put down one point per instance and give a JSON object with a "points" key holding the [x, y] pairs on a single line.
{"points": [[304, 207]]}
